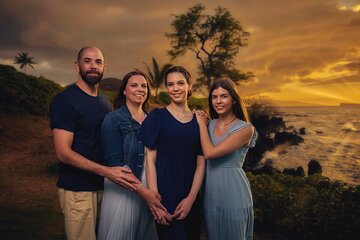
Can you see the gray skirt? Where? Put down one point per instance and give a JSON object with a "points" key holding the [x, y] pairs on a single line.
{"points": [[124, 215]]}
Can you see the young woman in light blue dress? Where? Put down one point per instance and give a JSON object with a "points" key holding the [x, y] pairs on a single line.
{"points": [[228, 205]]}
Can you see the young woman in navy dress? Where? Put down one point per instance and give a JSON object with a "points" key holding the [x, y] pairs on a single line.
{"points": [[174, 162]]}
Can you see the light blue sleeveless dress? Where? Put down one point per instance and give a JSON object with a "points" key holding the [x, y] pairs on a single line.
{"points": [[228, 205]]}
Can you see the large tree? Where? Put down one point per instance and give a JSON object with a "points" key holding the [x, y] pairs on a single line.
{"points": [[24, 60], [156, 75], [214, 39]]}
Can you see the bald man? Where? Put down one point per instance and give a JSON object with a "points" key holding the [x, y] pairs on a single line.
{"points": [[76, 117]]}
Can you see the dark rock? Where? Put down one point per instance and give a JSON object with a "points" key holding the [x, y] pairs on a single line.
{"points": [[290, 127], [255, 154], [283, 152], [314, 167], [299, 171], [302, 131], [272, 133], [286, 137], [266, 169]]}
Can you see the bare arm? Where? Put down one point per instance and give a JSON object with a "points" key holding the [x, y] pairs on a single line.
{"points": [[63, 140], [160, 212], [230, 144], [151, 176], [198, 177], [185, 205]]}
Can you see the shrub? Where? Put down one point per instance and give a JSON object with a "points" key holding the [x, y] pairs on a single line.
{"points": [[164, 97], [110, 94], [198, 103], [308, 208], [257, 106], [25, 94]]}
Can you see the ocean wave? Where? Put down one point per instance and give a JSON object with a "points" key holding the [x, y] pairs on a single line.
{"points": [[332, 138], [295, 115], [353, 126]]}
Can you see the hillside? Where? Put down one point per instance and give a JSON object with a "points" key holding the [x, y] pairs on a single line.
{"points": [[29, 207], [21, 93], [109, 84]]}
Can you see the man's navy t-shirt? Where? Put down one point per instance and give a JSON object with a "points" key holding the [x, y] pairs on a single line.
{"points": [[75, 111]]}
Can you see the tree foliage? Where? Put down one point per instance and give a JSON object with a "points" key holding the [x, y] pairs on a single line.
{"points": [[24, 60], [257, 106], [214, 39], [156, 75]]}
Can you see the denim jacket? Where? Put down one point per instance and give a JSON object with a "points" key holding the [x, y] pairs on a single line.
{"points": [[120, 143]]}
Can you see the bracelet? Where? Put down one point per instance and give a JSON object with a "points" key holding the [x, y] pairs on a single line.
{"points": [[140, 185]]}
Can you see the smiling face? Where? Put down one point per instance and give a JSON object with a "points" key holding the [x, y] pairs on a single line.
{"points": [[177, 87], [91, 65], [136, 90], [222, 101]]}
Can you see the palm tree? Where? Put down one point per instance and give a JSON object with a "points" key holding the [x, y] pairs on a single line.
{"points": [[24, 60], [156, 76]]}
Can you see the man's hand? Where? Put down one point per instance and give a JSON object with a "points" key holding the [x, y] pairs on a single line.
{"points": [[123, 176]]}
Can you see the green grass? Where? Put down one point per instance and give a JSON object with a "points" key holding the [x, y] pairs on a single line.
{"points": [[31, 221]]}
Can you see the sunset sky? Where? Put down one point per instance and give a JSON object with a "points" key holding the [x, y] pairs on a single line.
{"points": [[302, 52]]}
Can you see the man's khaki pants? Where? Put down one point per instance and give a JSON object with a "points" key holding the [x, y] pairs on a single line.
{"points": [[81, 210]]}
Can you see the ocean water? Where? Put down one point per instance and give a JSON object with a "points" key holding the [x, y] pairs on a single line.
{"points": [[332, 138]]}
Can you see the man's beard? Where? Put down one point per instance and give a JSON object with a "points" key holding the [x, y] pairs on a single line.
{"points": [[91, 80]]}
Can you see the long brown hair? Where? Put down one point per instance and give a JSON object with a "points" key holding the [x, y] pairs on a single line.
{"points": [[238, 107], [121, 98]]}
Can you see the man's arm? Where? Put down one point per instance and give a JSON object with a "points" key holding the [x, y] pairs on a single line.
{"points": [[63, 140]]}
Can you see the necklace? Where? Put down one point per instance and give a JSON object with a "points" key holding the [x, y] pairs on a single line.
{"points": [[225, 124], [178, 115], [139, 117]]}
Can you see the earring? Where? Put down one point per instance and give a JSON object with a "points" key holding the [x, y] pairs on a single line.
{"points": [[189, 94]]}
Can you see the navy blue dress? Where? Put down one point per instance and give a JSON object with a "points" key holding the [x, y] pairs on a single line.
{"points": [[177, 145]]}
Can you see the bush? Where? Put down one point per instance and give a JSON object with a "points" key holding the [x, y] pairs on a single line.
{"points": [[25, 94], [110, 94], [198, 103], [164, 97], [258, 106], [308, 208]]}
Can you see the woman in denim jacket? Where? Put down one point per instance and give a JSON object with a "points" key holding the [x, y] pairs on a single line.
{"points": [[124, 214]]}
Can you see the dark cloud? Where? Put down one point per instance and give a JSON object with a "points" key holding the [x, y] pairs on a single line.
{"points": [[355, 22], [353, 66], [288, 37]]}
